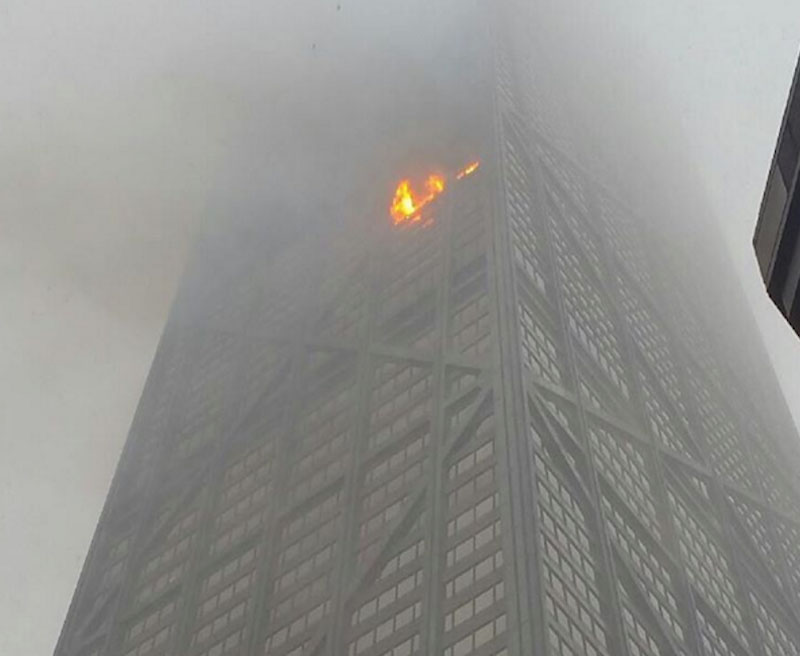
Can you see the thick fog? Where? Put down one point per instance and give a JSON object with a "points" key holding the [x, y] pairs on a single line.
{"points": [[130, 126]]}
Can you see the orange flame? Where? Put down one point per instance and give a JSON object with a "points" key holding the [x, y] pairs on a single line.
{"points": [[407, 204], [468, 170]]}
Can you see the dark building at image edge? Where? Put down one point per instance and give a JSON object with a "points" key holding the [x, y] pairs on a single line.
{"points": [[505, 429], [777, 235]]}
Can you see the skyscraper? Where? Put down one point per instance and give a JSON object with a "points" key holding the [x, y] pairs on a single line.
{"points": [[505, 425]]}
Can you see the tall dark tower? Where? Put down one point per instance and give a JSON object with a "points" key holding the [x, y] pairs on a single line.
{"points": [[504, 428]]}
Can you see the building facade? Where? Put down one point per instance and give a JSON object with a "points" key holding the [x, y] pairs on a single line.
{"points": [[777, 235], [502, 429]]}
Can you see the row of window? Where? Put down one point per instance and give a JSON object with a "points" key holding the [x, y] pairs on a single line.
{"points": [[306, 560], [569, 215], [393, 486], [478, 454], [754, 521], [321, 452], [401, 401], [653, 574], [373, 526], [304, 568], [505, 85], [565, 177], [569, 645], [220, 623], [320, 510], [405, 648], [244, 507], [459, 381], [237, 532], [321, 534], [303, 487], [560, 416], [538, 349], [566, 523], [387, 597], [713, 643], [176, 543], [395, 459], [243, 473], [238, 588], [459, 411], [528, 265], [474, 514], [481, 481], [392, 377], [621, 233], [703, 365], [168, 555], [401, 425], [478, 638], [775, 640], [227, 645], [403, 559], [473, 543], [571, 599], [526, 244], [320, 414], [114, 562], [651, 339], [640, 641], [566, 635], [151, 589], [727, 451], [152, 620], [409, 401], [587, 317], [397, 585], [154, 643], [481, 602], [624, 466], [662, 423], [386, 629], [314, 589], [572, 613], [470, 327], [789, 537], [595, 395], [470, 576], [298, 626], [707, 567], [381, 506]]}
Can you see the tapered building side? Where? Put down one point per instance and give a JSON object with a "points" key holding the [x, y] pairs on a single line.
{"points": [[502, 429]]}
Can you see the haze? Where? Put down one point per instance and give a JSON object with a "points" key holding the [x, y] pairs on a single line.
{"points": [[126, 126]]}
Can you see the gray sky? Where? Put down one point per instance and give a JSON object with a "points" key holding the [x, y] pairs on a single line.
{"points": [[122, 125]]}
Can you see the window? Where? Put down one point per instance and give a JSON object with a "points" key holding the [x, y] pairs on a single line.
{"points": [[480, 637]]}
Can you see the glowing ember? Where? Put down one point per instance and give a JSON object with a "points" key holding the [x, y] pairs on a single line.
{"points": [[467, 170], [407, 204]]}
